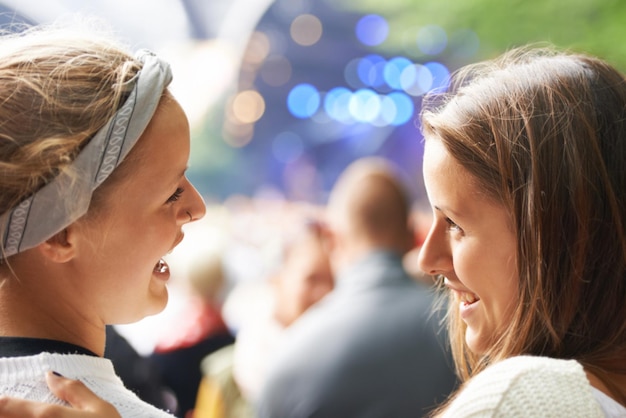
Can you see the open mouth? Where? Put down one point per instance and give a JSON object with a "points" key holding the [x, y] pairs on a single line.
{"points": [[467, 299]]}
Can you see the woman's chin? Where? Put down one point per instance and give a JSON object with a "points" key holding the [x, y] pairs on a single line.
{"points": [[155, 305], [475, 341], [158, 302]]}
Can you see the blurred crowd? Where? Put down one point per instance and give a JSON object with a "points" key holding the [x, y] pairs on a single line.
{"points": [[282, 308]]}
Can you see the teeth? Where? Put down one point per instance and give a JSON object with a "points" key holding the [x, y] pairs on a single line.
{"points": [[161, 266], [468, 298]]}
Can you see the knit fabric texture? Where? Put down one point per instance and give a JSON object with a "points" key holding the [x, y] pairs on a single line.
{"points": [[527, 386], [24, 377]]}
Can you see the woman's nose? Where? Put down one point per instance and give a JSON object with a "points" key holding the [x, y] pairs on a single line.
{"points": [[195, 207], [435, 255]]}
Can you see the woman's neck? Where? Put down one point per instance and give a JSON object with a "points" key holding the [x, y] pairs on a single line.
{"points": [[612, 385], [39, 313]]}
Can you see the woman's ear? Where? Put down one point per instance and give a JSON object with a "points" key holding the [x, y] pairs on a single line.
{"points": [[59, 248]]}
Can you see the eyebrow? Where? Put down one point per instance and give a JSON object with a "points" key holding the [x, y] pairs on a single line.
{"points": [[445, 210]]}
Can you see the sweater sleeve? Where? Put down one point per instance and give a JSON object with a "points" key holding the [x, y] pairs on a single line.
{"points": [[527, 386]]}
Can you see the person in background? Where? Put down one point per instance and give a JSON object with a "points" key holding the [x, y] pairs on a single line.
{"points": [[235, 375], [93, 195], [371, 346], [524, 169], [303, 279], [199, 331]]}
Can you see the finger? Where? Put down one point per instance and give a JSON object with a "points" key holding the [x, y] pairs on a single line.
{"points": [[79, 396]]}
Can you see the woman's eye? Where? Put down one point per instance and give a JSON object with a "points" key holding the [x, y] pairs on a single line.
{"points": [[173, 198], [452, 226]]}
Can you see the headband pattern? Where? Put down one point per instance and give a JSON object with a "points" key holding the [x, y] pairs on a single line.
{"points": [[66, 197], [116, 137]]}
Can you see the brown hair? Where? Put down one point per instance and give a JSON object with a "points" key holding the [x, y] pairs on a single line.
{"points": [[543, 132], [57, 88]]}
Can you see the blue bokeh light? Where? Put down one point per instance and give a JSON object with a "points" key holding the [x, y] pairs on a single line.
{"points": [[404, 108], [303, 101], [351, 73], [372, 30], [388, 112], [416, 79], [441, 75], [336, 104], [371, 69], [364, 105], [393, 70]]}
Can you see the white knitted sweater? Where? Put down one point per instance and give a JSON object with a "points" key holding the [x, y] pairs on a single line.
{"points": [[527, 386], [24, 377]]}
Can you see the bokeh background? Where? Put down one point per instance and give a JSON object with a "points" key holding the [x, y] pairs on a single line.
{"points": [[283, 94]]}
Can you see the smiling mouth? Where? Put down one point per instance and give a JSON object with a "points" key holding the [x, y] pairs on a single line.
{"points": [[467, 298]]}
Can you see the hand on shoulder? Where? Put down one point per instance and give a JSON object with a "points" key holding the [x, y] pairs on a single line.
{"points": [[83, 403]]}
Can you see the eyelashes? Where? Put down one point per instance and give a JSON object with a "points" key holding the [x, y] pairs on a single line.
{"points": [[177, 194], [453, 226]]}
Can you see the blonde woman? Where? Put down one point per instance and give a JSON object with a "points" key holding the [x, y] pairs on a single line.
{"points": [[93, 194]]}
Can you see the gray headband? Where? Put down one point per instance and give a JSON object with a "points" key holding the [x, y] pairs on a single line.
{"points": [[66, 198]]}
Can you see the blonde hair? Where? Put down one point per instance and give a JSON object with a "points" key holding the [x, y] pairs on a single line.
{"points": [[58, 87]]}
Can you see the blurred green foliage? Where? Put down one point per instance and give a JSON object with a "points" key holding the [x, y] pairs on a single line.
{"points": [[597, 27]]}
